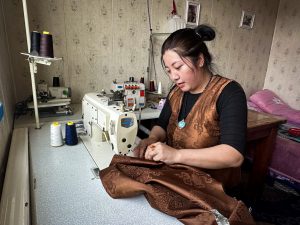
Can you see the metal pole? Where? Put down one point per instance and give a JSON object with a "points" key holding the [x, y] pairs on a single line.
{"points": [[32, 66]]}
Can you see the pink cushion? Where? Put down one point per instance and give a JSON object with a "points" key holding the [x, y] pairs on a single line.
{"points": [[269, 102], [253, 106]]}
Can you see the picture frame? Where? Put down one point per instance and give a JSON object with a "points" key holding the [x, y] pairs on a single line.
{"points": [[192, 13], [247, 19]]}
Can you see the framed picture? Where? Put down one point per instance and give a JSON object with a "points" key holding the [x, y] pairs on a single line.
{"points": [[247, 20], [192, 13]]}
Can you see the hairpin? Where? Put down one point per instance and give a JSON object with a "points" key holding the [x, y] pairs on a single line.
{"points": [[198, 34]]}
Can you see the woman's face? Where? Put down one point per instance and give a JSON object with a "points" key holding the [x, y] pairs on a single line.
{"points": [[182, 73]]}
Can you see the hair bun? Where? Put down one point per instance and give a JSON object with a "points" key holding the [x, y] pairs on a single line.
{"points": [[206, 33]]}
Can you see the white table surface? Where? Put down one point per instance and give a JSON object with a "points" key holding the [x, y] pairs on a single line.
{"points": [[66, 190]]}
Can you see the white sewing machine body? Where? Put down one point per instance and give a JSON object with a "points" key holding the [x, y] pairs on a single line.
{"points": [[107, 121]]}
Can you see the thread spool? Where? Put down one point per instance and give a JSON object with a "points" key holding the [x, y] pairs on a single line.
{"points": [[71, 134], [35, 43], [55, 81], [142, 80], [46, 45], [159, 88], [161, 104], [56, 135], [151, 86]]}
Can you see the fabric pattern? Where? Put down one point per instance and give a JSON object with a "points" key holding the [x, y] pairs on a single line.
{"points": [[185, 192], [202, 126]]}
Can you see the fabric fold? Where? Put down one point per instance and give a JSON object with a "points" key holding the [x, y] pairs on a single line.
{"points": [[184, 192]]}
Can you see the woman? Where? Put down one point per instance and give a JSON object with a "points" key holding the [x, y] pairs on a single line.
{"points": [[203, 122]]}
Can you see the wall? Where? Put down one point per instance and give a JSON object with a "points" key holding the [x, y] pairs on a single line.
{"points": [[102, 40], [7, 97], [284, 64], [239, 54]]}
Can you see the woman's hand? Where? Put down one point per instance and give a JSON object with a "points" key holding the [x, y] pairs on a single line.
{"points": [[162, 152], [139, 150], [157, 134]]}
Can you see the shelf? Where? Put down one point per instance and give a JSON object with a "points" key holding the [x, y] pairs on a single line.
{"points": [[154, 93], [51, 103], [40, 59], [159, 34]]}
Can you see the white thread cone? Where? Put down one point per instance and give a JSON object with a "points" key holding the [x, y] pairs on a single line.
{"points": [[159, 88], [56, 138]]}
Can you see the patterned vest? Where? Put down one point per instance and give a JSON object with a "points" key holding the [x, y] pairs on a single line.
{"points": [[202, 126]]}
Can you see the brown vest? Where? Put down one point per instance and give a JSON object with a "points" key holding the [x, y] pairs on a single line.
{"points": [[202, 126]]}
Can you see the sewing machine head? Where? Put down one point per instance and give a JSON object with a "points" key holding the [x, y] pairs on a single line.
{"points": [[109, 121], [131, 92]]}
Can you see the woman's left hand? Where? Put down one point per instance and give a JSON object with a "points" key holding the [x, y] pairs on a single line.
{"points": [[161, 152]]}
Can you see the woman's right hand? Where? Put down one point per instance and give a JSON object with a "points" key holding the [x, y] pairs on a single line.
{"points": [[140, 149]]}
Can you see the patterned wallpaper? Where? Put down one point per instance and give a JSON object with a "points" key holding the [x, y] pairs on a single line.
{"points": [[102, 40], [284, 64], [7, 97]]}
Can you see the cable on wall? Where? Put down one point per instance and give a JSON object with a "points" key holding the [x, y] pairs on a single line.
{"points": [[1, 111], [151, 54]]}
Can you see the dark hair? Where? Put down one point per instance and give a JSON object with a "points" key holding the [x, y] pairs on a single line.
{"points": [[189, 43]]}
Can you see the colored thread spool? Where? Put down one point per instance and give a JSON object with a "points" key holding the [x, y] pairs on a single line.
{"points": [[142, 80], [56, 135], [35, 43], [151, 86], [71, 134], [55, 81], [46, 45], [161, 104]]}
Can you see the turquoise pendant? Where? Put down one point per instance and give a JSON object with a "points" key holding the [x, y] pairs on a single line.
{"points": [[181, 124]]}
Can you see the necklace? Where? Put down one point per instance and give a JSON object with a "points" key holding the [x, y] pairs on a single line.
{"points": [[181, 124]]}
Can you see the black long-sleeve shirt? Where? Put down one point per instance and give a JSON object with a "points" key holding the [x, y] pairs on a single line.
{"points": [[232, 111]]}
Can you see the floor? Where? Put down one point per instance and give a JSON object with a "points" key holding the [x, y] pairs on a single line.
{"points": [[279, 203]]}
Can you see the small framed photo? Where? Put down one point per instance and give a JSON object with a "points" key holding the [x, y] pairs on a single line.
{"points": [[247, 20], [192, 13]]}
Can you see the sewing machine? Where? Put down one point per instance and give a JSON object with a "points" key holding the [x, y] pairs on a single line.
{"points": [[131, 92], [107, 120]]}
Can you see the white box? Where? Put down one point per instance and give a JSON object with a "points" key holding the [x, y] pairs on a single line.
{"points": [[59, 92]]}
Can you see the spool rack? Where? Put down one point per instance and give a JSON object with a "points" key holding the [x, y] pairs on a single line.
{"points": [[39, 59], [33, 60]]}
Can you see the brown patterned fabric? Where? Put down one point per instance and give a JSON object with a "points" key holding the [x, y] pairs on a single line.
{"points": [[202, 126], [181, 191], [202, 123]]}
